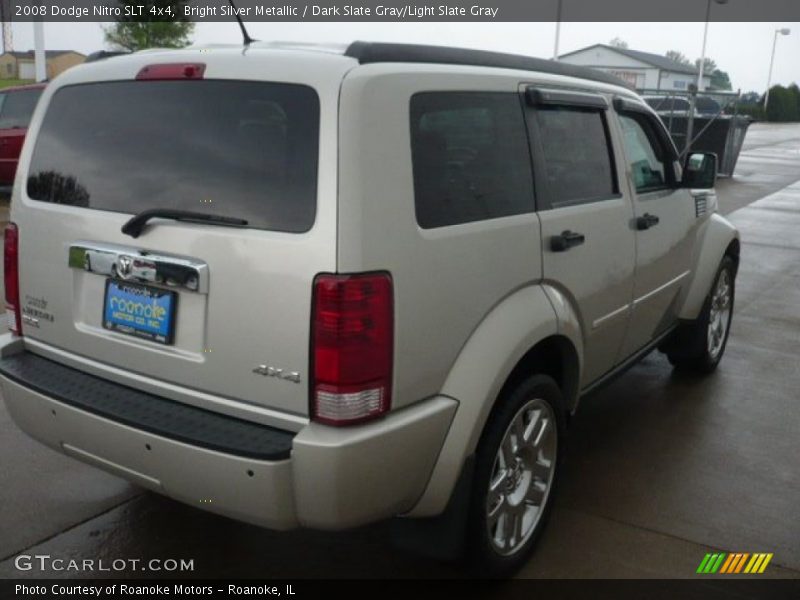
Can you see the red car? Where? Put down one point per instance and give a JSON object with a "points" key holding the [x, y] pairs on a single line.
{"points": [[16, 108]]}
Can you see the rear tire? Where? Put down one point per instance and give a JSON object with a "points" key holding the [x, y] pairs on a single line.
{"points": [[515, 475], [698, 346]]}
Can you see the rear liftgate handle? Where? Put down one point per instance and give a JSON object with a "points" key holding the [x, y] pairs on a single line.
{"points": [[565, 241]]}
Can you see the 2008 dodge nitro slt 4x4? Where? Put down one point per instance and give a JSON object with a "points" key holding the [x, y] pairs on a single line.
{"points": [[324, 287]]}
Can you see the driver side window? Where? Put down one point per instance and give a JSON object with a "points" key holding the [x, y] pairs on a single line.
{"points": [[647, 164]]}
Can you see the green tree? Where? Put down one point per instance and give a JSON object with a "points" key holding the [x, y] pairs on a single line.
{"points": [[678, 57], [618, 42], [709, 66], [783, 105], [158, 24], [720, 80]]}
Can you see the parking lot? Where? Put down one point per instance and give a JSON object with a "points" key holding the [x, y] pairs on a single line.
{"points": [[661, 468]]}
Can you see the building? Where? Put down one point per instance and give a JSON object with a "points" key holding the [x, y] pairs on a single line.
{"points": [[20, 65], [643, 70]]}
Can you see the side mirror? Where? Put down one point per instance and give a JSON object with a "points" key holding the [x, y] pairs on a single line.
{"points": [[700, 171]]}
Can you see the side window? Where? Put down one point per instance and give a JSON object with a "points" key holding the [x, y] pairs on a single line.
{"points": [[470, 157], [577, 155], [644, 154]]}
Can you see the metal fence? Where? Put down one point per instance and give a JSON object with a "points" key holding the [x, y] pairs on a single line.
{"points": [[703, 122]]}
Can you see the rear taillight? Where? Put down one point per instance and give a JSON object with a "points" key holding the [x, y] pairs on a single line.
{"points": [[352, 336], [11, 276]]}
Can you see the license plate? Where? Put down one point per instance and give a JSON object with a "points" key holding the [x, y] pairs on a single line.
{"points": [[140, 310]]}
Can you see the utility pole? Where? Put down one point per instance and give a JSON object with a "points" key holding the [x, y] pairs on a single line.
{"points": [[8, 38], [558, 30], [772, 63], [38, 50]]}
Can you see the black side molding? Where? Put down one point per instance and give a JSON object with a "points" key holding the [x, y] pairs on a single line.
{"points": [[147, 412]]}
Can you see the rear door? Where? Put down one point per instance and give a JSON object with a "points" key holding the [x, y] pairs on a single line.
{"points": [[588, 243], [16, 109], [665, 221], [208, 314]]}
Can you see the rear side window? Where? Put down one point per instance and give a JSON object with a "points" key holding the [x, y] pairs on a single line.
{"points": [[239, 149], [16, 108], [470, 157], [577, 155]]}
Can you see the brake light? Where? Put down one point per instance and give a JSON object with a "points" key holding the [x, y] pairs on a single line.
{"points": [[352, 336], [172, 71], [11, 276]]}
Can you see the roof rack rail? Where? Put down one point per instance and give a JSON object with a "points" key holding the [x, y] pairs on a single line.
{"points": [[376, 52]]}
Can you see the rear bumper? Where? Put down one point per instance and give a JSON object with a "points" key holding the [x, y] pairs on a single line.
{"points": [[321, 477]]}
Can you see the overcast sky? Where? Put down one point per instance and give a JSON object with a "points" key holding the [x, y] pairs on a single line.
{"points": [[742, 49]]}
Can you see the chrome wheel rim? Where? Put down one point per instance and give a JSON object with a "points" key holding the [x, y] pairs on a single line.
{"points": [[719, 316], [521, 477]]}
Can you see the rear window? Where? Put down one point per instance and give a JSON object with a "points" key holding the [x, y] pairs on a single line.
{"points": [[16, 108], [470, 157], [577, 155], [239, 149]]}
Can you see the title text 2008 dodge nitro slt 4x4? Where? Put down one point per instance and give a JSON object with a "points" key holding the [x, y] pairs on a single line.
{"points": [[326, 287]]}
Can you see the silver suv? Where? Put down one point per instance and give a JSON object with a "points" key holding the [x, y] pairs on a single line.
{"points": [[322, 287]]}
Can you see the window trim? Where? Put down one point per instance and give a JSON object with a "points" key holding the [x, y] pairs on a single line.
{"points": [[545, 194], [536, 96]]}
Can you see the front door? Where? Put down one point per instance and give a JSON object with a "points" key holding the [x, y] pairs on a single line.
{"points": [[588, 243], [665, 218]]}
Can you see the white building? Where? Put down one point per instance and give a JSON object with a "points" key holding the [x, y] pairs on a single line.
{"points": [[643, 70]]}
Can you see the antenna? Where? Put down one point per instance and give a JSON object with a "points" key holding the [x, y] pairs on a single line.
{"points": [[247, 39]]}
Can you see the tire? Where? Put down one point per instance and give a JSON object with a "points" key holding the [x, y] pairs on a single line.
{"points": [[698, 346], [499, 541]]}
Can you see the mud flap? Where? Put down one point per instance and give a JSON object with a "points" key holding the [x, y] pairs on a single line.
{"points": [[442, 537]]}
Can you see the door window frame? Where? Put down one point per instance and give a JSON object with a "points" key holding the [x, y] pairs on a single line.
{"points": [[533, 97], [658, 137]]}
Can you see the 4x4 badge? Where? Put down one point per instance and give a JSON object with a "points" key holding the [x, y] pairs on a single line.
{"points": [[268, 371]]}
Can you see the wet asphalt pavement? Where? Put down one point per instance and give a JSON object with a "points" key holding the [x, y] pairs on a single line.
{"points": [[660, 469]]}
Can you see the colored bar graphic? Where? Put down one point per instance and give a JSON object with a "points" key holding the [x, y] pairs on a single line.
{"points": [[734, 562]]}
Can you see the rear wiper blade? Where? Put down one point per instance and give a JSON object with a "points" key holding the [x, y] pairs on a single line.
{"points": [[136, 224]]}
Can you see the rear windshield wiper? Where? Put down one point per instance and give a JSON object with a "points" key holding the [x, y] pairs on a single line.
{"points": [[136, 224]]}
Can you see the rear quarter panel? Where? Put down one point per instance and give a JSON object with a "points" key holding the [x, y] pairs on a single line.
{"points": [[446, 280]]}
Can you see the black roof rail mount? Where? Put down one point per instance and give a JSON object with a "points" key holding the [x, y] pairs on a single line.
{"points": [[377, 52]]}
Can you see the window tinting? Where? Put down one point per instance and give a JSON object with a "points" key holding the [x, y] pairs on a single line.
{"points": [[648, 170], [16, 108], [240, 149], [576, 154], [470, 157]]}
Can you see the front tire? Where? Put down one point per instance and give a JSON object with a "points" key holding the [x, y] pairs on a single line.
{"points": [[515, 473], [698, 346]]}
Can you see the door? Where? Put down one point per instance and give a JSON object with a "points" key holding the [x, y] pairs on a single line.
{"points": [[588, 242], [665, 216], [27, 70]]}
